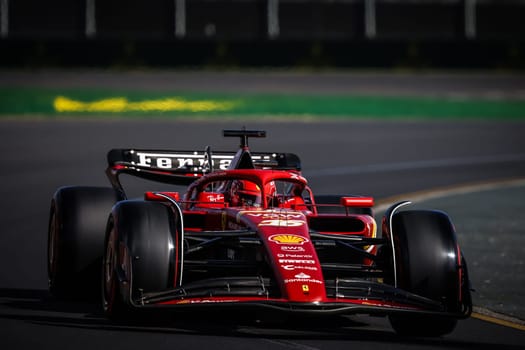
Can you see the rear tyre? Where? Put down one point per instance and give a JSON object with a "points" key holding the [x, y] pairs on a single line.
{"points": [[426, 255], [139, 255], [77, 222]]}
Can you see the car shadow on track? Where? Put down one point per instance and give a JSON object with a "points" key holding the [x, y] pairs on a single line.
{"points": [[40, 308]]}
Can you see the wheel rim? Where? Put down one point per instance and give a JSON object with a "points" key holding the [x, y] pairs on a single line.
{"points": [[110, 263], [52, 247]]}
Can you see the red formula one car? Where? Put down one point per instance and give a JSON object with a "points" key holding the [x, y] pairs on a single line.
{"points": [[248, 233]]}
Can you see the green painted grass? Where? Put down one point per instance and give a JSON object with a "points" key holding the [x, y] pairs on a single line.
{"points": [[87, 102]]}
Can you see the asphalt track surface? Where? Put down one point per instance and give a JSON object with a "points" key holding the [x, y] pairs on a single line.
{"points": [[383, 159]]}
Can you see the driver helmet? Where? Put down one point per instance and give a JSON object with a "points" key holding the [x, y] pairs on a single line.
{"points": [[245, 193]]}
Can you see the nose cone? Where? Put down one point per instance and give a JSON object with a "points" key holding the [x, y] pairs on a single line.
{"points": [[293, 256]]}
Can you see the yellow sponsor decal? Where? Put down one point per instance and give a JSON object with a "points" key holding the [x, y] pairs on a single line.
{"points": [[288, 239], [121, 104]]}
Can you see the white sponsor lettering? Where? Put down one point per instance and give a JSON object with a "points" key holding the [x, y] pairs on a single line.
{"points": [[302, 275], [297, 177], [188, 162], [224, 164], [274, 215], [287, 248], [299, 280], [215, 198], [164, 163], [144, 160], [295, 256], [294, 267], [178, 161], [296, 261], [282, 223]]}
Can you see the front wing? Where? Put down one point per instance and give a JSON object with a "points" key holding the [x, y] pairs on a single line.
{"points": [[343, 297]]}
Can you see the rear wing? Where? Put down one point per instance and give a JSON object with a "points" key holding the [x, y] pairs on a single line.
{"points": [[184, 167]]}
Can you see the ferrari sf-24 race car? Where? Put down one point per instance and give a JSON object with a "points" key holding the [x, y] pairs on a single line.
{"points": [[250, 234]]}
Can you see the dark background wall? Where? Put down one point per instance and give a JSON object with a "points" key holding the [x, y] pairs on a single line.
{"points": [[319, 33]]}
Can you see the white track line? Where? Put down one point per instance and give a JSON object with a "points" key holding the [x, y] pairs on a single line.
{"points": [[434, 193]]}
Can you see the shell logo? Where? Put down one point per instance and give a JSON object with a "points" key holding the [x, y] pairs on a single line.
{"points": [[288, 239]]}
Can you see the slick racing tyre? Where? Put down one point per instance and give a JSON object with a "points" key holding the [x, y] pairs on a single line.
{"points": [[427, 264], [139, 255], [76, 230]]}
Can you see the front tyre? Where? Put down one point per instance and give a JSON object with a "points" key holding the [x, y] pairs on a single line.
{"points": [[428, 264], [139, 255]]}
